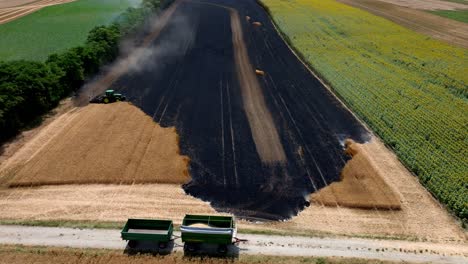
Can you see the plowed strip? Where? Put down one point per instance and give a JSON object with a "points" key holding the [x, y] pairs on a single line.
{"points": [[23, 12], [264, 132], [13, 3], [11, 13]]}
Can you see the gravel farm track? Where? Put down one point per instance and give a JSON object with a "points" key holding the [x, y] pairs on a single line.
{"points": [[11, 10], [258, 144], [398, 251]]}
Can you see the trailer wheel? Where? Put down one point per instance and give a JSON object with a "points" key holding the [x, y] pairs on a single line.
{"points": [[162, 245], [132, 243], [222, 249], [190, 248]]}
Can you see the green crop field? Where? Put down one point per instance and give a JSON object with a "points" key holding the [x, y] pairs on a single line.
{"points": [[410, 89], [56, 28], [459, 15]]}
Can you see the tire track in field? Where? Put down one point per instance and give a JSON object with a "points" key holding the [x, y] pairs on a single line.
{"points": [[11, 13], [16, 14]]}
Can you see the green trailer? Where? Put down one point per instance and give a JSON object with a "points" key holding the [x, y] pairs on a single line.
{"points": [[207, 229], [155, 230]]}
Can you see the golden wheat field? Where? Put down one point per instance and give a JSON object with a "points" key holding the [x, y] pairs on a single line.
{"points": [[115, 143]]}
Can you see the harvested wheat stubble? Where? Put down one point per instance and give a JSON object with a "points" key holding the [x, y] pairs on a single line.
{"points": [[114, 143], [361, 185], [97, 202]]}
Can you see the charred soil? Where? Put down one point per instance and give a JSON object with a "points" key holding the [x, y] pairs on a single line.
{"points": [[192, 82]]}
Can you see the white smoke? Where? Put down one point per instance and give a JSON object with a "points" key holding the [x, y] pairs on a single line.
{"points": [[138, 56], [173, 45]]}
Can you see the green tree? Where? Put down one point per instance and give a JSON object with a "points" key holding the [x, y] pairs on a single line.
{"points": [[68, 68]]}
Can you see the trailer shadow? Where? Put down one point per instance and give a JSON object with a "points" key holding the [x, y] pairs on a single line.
{"points": [[148, 247], [211, 251]]}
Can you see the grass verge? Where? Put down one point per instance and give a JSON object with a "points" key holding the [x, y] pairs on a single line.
{"points": [[459, 15], [26, 255]]}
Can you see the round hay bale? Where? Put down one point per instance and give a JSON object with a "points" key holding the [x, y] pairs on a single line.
{"points": [[259, 72], [247, 18], [257, 24]]}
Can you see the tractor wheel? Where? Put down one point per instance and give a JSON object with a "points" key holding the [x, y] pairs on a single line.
{"points": [[106, 100]]}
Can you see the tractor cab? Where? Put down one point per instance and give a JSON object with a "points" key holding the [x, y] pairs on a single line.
{"points": [[109, 93]]}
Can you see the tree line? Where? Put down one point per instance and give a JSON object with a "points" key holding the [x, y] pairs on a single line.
{"points": [[29, 89]]}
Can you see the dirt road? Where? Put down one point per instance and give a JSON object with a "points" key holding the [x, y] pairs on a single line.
{"points": [[423, 22], [418, 252]]}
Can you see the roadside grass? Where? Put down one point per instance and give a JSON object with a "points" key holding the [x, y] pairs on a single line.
{"points": [[36, 254], [80, 224], [459, 15], [56, 28], [410, 89], [66, 223]]}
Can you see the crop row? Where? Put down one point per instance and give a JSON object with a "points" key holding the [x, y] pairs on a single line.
{"points": [[411, 90]]}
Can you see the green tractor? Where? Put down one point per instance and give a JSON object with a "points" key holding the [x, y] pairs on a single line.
{"points": [[109, 97]]}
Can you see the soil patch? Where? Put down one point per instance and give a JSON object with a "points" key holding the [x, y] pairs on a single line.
{"points": [[361, 185], [13, 3], [445, 29], [428, 4], [114, 143]]}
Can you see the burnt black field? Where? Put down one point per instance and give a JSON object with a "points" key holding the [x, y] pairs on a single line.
{"points": [[188, 80]]}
